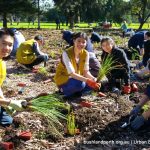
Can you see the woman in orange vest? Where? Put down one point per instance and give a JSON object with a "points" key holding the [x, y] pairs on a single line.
{"points": [[72, 74]]}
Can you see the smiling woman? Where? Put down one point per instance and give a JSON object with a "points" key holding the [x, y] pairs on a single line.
{"points": [[6, 44], [72, 74]]}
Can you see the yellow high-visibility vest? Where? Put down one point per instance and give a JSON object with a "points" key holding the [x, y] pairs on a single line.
{"points": [[25, 53]]}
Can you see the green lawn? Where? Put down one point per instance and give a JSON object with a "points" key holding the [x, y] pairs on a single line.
{"points": [[81, 25]]}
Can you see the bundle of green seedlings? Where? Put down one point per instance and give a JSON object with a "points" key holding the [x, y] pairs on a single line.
{"points": [[108, 64], [50, 108], [43, 71]]}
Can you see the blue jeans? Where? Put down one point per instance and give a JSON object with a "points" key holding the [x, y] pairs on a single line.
{"points": [[73, 86], [5, 119]]}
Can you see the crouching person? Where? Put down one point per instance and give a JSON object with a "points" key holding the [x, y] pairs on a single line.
{"points": [[72, 74], [29, 54], [140, 120], [6, 45], [122, 71], [94, 64]]}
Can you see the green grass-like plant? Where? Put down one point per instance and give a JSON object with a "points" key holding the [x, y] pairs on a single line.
{"points": [[49, 107], [108, 64]]}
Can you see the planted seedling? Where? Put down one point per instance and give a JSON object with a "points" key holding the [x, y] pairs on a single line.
{"points": [[49, 107], [108, 64]]}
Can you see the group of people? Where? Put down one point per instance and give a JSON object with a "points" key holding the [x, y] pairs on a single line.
{"points": [[77, 70]]}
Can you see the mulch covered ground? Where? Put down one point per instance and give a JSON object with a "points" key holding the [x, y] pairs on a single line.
{"points": [[100, 125]]}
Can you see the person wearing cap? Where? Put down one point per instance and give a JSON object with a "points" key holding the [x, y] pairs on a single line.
{"points": [[6, 45], [29, 53], [94, 64], [144, 118], [72, 73], [18, 39]]}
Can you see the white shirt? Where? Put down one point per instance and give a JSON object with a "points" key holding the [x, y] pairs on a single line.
{"points": [[69, 66], [18, 39]]}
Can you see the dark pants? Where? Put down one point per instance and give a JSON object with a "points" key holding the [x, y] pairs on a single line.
{"points": [[145, 59], [5, 119], [94, 64], [57, 26], [37, 61], [117, 74]]}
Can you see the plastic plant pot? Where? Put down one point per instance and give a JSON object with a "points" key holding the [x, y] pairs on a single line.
{"points": [[7, 145]]}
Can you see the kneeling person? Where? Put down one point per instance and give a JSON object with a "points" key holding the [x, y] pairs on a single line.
{"points": [[6, 45], [29, 54], [72, 74], [140, 120]]}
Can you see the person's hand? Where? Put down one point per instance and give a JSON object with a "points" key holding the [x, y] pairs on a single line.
{"points": [[94, 85], [127, 89], [137, 122], [135, 110], [16, 104]]}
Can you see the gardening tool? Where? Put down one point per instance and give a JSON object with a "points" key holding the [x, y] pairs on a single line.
{"points": [[22, 86], [126, 124]]}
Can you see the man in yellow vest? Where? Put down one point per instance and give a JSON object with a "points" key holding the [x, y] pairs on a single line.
{"points": [[6, 45], [29, 54]]}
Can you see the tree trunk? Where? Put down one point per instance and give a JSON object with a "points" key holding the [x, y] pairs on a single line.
{"points": [[141, 25], [38, 14], [4, 20], [71, 22]]}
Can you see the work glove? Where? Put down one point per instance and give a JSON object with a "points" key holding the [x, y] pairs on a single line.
{"points": [[135, 110], [126, 89], [46, 57], [16, 104], [94, 85], [137, 122]]}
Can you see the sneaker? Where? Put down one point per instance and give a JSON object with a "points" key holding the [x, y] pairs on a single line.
{"points": [[116, 90]]}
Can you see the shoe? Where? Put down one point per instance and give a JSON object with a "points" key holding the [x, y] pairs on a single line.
{"points": [[116, 90]]}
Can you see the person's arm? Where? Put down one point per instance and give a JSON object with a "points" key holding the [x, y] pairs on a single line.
{"points": [[4, 102], [36, 49], [86, 69]]}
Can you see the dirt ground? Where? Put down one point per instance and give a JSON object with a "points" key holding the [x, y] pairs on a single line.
{"points": [[100, 125]]}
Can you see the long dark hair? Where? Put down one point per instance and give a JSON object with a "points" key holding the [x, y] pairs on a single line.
{"points": [[80, 35]]}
